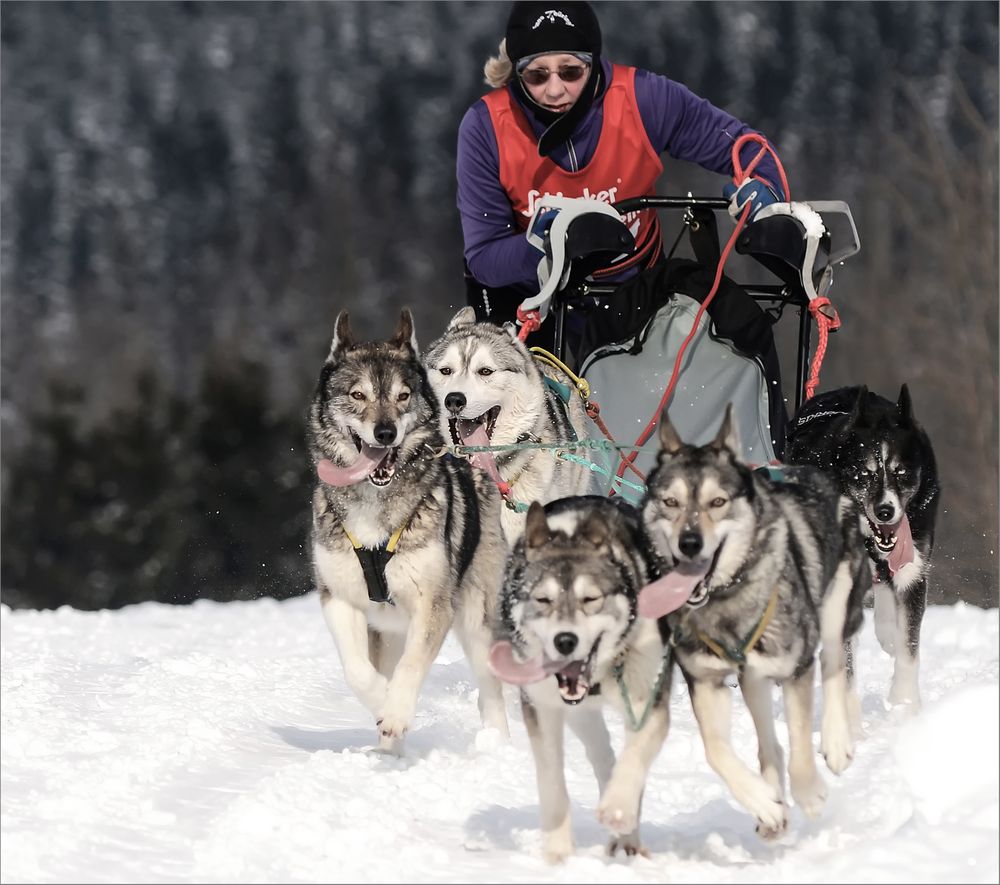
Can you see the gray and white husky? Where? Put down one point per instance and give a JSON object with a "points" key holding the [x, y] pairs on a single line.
{"points": [[882, 458], [768, 568], [493, 392], [569, 636], [404, 545]]}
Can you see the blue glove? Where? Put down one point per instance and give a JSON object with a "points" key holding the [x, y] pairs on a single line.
{"points": [[538, 232], [752, 191]]}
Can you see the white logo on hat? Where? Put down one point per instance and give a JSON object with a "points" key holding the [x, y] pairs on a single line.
{"points": [[551, 16]]}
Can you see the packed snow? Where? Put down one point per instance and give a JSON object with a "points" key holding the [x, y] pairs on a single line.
{"points": [[220, 743]]}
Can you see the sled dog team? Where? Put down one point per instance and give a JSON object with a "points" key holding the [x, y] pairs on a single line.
{"points": [[582, 600]]}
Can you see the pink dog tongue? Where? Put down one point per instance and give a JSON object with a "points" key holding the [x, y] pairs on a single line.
{"points": [[670, 592], [902, 553], [368, 459], [483, 460], [506, 667]]}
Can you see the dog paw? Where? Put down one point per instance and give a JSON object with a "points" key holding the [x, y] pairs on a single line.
{"points": [[809, 793], [905, 696], [769, 832], [557, 849], [394, 720], [835, 744], [766, 804], [629, 844], [618, 814]]}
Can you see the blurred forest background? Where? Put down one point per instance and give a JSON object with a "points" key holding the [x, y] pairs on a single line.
{"points": [[192, 190]]}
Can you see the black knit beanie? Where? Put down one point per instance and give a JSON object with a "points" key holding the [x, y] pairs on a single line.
{"points": [[546, 26]]}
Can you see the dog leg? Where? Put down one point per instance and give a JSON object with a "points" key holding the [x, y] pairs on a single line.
{"points": [[711, 703], [885, 618], [349, 627], [836, 743], [853, 697], [475, 641], [910, 605], [545, 729], [385, 649], [425, 634], [757, 695], [589, 726], [621, 802], [808, 787]]}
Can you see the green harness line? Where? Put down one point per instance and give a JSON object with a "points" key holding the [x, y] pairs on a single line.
{"points": [[619, 671]]}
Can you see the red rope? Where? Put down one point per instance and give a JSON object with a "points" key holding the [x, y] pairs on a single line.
{"points": [[739, 175], [530, 322], [826, 324]]}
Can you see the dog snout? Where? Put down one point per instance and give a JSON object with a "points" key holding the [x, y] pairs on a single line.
{"points": [[690, 543], [385, 433], [565, 643], [454, 402], [885, 512]]}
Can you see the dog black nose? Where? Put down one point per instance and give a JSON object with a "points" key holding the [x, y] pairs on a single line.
{"points": [[454, 402], [565, 643], [884, 512], [385, 434], [690, 543]]}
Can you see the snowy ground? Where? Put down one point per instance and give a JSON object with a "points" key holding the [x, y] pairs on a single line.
{"points": [[219, 743]]}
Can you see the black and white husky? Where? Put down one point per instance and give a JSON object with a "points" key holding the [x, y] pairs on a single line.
{"points": [[881, 457], [493, 392], [569, 636], [404, 544], [768, 569]]}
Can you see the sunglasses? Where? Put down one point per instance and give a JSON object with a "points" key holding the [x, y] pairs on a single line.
{"points": [[567, 73]]}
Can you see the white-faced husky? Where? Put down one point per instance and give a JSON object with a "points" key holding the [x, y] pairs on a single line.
{"points": [[569, 636], [767, 568], [881, 458], [493, 392], [403, 544]]}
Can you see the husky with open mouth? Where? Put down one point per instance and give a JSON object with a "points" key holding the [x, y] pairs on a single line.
{"points": [[881, 457], [404, 544], [768, 568], [569, 637], [494, 393]]}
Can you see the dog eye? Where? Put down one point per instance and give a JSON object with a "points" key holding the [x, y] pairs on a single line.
{"points": [[901, 471], [485, 371], [358, 395], [717, 502], [403, 397], [444, 370], [590, 600], [543, 600], [670, 502]]}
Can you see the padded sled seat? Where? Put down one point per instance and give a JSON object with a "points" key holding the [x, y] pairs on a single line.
{"points": [[779, 242]]}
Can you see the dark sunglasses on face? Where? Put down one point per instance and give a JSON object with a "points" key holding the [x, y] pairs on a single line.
{"points": [[567, 73]]}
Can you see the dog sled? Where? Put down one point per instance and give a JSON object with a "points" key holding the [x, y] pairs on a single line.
{"points": [[684, 336]]}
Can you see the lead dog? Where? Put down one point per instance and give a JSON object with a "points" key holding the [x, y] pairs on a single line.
{"points": [[767, 571], [404, 545], [570, 638]]}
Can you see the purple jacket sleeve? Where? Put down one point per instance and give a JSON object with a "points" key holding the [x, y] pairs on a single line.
{"points": [[692, 128], [495, 248]]}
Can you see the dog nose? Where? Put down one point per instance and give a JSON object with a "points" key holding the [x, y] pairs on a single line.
{"points": [[884, 512], [690, 543], [385, 434], [454, 402], [565, 643]]}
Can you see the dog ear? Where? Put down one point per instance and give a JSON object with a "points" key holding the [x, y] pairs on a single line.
{"points": [[536, 528], [728, 436], [670, 442], [511, 329], [343, 337], [858, 410], [594, 529], [465, 317], [404, 336], [904, 407]]}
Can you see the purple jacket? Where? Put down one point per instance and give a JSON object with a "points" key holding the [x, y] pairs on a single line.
{"points": [[676, 121]]}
